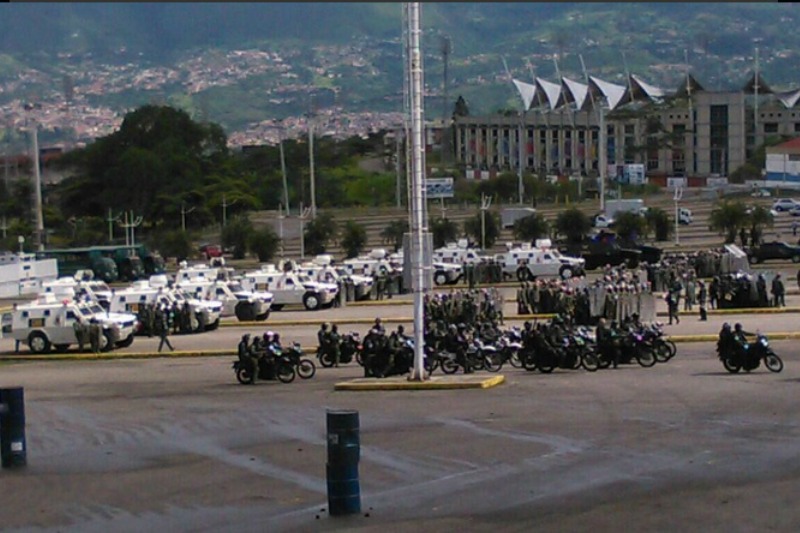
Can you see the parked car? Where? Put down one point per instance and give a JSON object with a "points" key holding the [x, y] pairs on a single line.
{"points": [[211, 250], [602, 221], [774, 250], [761, 193], [785, 204]]}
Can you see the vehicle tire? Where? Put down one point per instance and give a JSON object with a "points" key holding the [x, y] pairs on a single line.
{"points": [[245, 311], [545, 369], [493, 362], [673, 348], [214, 325], [38, 342], [61, 348], [440, 278], [590, 362], [754, 259], [106, 343], [661, 352], [311, 301], [449, 366], [431, 364], [306, 368], [514, 359], [730, 366], [243, 375], [126, 342], [263, 316], [326, 360], [646, 357], [277, 307], [773, 362], [796, 259], [528, 362], [285, 372], [565, 272]]}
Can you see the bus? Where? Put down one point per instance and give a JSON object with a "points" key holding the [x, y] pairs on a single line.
{"points": [[71, 260], [130, 262]]}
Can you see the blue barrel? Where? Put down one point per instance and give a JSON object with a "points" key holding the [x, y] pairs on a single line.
{"points": [[344, 449], [13, 449]]}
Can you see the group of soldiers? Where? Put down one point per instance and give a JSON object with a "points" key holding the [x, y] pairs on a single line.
{"points": [[745, 290], [470, 307], [180, 319], [88, 332], [619, 294], [488, 271]]}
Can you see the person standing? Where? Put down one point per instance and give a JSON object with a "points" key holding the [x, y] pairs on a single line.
{"points": [[701, 300], [162, 325], [80, 332], [794, 227], [95, 332], [778, 292]]}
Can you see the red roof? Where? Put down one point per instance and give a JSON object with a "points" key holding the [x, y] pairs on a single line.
{"points": [[794, 143]]}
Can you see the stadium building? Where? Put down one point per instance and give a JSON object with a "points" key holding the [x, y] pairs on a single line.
{"points": [[690, 132]]}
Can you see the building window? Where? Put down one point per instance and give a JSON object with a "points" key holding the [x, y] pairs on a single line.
{"points": [[797, 127], [630, 129], [770, 127]]}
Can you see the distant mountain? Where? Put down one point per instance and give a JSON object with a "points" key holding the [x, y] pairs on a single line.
{"points": [[353, 50]]}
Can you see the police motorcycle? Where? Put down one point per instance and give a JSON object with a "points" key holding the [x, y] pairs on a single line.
{"points": [[737, 354], [349, 348], [386, 356], [304, 366], [272, 363], [663, 348], [507, 349], [461, 351], [547, 347]]}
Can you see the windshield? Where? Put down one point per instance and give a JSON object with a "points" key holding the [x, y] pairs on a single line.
{"points": [[304, 279], [85, 311], [95, 308], [235, 286]]}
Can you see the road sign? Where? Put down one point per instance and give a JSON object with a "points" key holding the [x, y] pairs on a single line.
{"points": [[439, 188]]}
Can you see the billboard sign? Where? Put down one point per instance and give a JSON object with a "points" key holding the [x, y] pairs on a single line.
{"points": [[436, 188]]}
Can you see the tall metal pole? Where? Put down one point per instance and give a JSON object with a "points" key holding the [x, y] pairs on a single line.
{"points": [[283, 171], [397, 167], [755, 104], [521, 143], [677, 198], [311, 163], [38, 186], [418, 202], [110, 220], [602, 156]]}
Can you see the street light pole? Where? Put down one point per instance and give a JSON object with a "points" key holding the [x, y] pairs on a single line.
{"points": [[184, 212], [38, 189], [677, 198], [486, 202], [311, 164], [304, 214], [283, 169]]}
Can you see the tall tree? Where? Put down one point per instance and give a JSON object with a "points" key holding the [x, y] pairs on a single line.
{"points": [[728, 218], [573, 224], [354, 238], [486, 232]]}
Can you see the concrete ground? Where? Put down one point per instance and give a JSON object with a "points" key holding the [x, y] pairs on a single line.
{"points": [[178, 445]]}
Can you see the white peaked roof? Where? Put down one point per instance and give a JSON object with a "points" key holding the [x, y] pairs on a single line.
{"points": [[577, 92], [526, 91], [551, 90], [789, 98], [650, 91], [612, 92]]}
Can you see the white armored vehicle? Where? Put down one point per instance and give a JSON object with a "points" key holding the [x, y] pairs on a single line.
{"points": [[322, 270], [528, 262], [49, 323], [290, 288]]}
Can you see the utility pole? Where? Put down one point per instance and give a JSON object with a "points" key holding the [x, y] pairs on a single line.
{"points": [[225, 206], [184, 212], [37, 174], [311, 164], [280, 227], [283, 168], [677, 198], [602, 156], [111, 219], [397, 167], [130, 223], [304, 214], [486, 202]]}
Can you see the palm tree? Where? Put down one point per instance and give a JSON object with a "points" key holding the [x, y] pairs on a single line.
{"points": [[531, 227], [443, 230], [573, 224], [393, 233], [728, 218], [760, 217], [631, 226], [659, 222]]}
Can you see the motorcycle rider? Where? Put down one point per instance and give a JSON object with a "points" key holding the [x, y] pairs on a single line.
{"points": [[605, 342], [456, 342], [740, 338], [249, 357], [726, 341], [335, 345], [322, 336]]}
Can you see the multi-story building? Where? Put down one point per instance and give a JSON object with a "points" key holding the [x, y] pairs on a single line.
{"points": [[692, 132]]}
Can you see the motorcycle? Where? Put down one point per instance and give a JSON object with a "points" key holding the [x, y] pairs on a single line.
{"points": [[380, 362], [506, 350], [270, 366], [304, 366], [663, 349], [349, 347], [749, 356]]}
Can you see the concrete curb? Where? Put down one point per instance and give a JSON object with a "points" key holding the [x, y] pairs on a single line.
{"points": [[432, 383]]}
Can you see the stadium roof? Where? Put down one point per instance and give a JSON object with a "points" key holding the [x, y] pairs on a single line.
{"points": [[544, 94]]}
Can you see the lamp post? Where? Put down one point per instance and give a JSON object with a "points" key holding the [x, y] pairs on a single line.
{"points": [[486, 202], [37, 175], [283, 166], [184, 212], [677, 198], [304, 214]]}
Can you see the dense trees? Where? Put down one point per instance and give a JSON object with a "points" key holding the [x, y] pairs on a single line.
{"points": [[484, 230], [728, 218], [573, 224]]}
